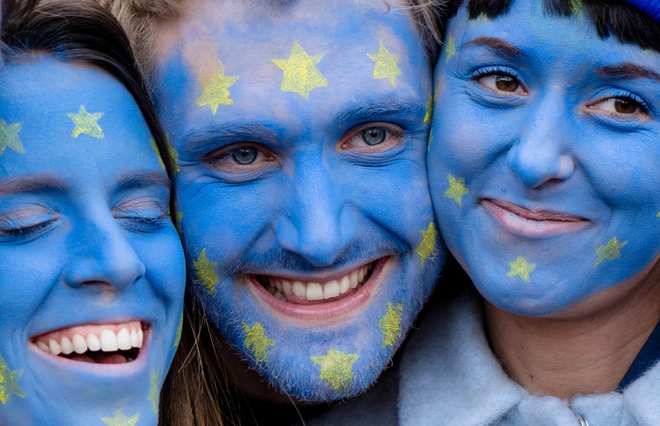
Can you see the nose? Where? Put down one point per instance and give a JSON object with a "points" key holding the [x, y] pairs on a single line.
{"points": [[540, 154], [100, 254]]}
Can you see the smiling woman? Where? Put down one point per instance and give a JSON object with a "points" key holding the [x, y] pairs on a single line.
{"points": [[92, 272]]}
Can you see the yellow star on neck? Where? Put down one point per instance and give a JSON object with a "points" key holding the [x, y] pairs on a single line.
{"points": [[336, 368], [9, 137], [385, 64], [450, 48], [9, 383], [86, 123], [609, 251], [215, 89], [119, 419], [206, 273], [520, 268], [257, 341], [427, 246], [390, 324], [300, 73], [456, 190]]}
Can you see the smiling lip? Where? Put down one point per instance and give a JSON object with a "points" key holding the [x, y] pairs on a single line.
{"points": [[319, 298], [532, 223]]}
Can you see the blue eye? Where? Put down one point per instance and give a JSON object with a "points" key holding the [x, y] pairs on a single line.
{"points": [[244, 154], [374, 135]]}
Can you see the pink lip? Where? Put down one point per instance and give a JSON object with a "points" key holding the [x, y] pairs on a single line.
{"points": [[532, 223]]}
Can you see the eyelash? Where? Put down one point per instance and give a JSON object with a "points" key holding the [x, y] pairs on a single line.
{"points": [[18, 229], [139, 221], [643, 105], [495, 70]]}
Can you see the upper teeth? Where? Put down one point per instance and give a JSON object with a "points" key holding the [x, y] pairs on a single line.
{"points": [[98, 337]]}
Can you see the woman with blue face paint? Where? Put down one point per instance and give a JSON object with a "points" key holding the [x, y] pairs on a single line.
{"points": [[92, 271]]}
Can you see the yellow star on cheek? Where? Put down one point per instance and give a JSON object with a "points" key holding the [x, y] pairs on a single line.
{"points": [[390, 324], [174, 155], [429, 110], [206, 273], [456, 190], [86, 123], [427, 246], [609, 251], [119, 419], [154, 394], [9, 137], [215, 89], [450, 48], [9, 383], [385, 64], [336, 368], [520, 268], [179, 329], [257, 341], [300, 73]]}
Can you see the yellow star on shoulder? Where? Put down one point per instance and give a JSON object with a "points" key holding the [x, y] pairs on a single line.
{"points": [[215, 89], [300, 73], [154, 394], [427, 246], [520, 268], [450, 48], [385, 64], [609, 251], [206, 273], [390, 324], [456, 189], [119, 419], [9, 383], [86, 123], [336, 368], [9, 137], [257, 341]]}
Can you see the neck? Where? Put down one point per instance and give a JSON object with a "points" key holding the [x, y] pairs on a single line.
{"points": [[588, 351]]}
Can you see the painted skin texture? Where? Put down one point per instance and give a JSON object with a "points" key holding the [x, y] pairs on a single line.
{"points": [[316, 201], [85, 238], [562, 143]]}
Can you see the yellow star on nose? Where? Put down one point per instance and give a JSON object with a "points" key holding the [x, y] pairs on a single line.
{"points": [[390, 324], [300, 74], [119, 419], [257, 341], [206, 273], [520, 268], [9, 137], [336, 368], [427, 246], [456, 189], [385, 64], [215, 89], [450, 48], [9, 383], [609, 251], [86, 123]]}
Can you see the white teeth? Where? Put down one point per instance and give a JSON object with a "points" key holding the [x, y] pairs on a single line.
{"points": [[44, 347], [79, 344], [93, 342], [344, 284], [108, 341], [354, 279], [140, 336], [134, 339], [287, 287], [54, 347], [314, 291], [124, 339], [298, 289], [330, 289], [66, 345]]}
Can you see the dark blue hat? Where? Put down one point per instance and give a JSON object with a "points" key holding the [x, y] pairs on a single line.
{"points": [[651, 7]]}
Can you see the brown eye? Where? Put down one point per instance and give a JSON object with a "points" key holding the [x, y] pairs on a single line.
{"points": [[506, 83], [502, 84], [625, 106]]}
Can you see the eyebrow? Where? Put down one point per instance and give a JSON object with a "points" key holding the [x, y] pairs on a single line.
{"points": [[235, 132], [496, 45], [383, 108], [142, 180], [628, 70], [32, 184]]}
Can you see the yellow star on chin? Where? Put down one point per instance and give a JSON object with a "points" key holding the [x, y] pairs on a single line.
{"points": [[9, 137], [119, 419], [520, 268], [390, 324], [86, 123], [385, 64], [257, 341], [206, 273], [609, 251], [456, 189], [300, 74], [215, 89], [336, 368]]}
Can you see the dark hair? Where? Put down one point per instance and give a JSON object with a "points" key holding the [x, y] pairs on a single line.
{"points": [[610, 17]]}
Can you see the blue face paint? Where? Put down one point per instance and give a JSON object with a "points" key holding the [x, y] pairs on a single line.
{"points": [[88, 251], [302, 177], [544, 163]]}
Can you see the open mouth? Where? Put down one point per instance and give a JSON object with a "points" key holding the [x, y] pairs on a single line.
{"points": [[118, 343]]}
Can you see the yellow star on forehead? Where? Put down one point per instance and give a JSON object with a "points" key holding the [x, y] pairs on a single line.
{"points": [[609, 251], [9, 383], [215, 89], [450, 48], [9, 137], [179, 329], [390, 324], [336, 368], [154, 395], [520, 268], [86, 123], [206, 273], [429, 110], [300, 74], [385, 64], [456, 189], [257, 341], [119, 419], [427, 246]]}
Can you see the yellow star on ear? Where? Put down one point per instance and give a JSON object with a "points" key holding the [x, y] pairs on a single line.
{"points": [[86, 123], [206, 273], [609, 251], [450, 48], [427, 246], [257, 341], [119, 419], [456, 189], [520, 268], [9, 137], [9, 383], [179, 329], [385, 64], [215, 89], [300, 73], [336, 368], [390, 324], [154, 394], [429, 110]]}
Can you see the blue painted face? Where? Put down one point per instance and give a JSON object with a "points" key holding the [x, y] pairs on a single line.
{"points": [[92, 272], [301, 136], [544, 161]]}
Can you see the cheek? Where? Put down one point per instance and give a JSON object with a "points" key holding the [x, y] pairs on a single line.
{"points": [[162, 256]]}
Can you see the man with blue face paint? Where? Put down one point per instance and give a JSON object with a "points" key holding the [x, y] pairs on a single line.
{"points": [[301, 131]]}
